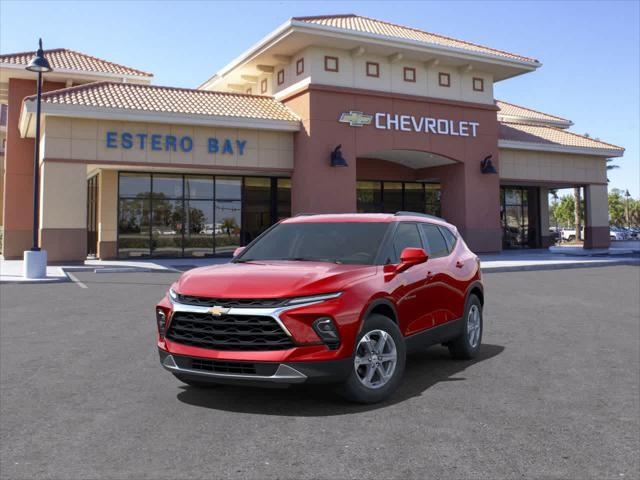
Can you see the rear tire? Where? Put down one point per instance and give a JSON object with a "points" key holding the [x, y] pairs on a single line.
{"points": [[194, 383], [467, 345], [378, 362]]}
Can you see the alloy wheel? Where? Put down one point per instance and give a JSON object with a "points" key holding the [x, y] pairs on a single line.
{"points": [[473, 326], [376, 359]]}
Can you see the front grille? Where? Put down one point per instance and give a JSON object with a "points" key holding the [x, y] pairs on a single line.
{"points": [[232, 302], [219, 366], [227, 332]]}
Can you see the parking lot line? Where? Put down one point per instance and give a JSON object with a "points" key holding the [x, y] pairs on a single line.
{"points": [[75, 280]]}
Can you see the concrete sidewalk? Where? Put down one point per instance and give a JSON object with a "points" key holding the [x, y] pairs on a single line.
{"points": [[506, 261]]}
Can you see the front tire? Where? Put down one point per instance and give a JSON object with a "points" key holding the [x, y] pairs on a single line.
{"points": [[467, 345], [378, 362]]}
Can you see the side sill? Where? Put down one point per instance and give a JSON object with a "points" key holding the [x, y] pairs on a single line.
{"points": [[433, 336]]}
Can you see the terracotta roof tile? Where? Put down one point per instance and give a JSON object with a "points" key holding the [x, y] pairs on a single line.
{"points": [[517, 132], [65, 59], [153, 98], [379, 27], [513, 110]]}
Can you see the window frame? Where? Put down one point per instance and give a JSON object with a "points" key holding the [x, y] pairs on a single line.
{"points": [[280, 76], [263, 85], [425, 239], [407, 70], [377, 67], [441, 77], [453, 246], [300, 66], [395, 256], [480, 82], [327, 59]]}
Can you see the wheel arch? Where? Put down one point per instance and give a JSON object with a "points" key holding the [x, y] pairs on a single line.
{"points": [[476, 289], [382, 306]]}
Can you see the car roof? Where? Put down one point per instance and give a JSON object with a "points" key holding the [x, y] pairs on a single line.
{"points": [[367, 218]]}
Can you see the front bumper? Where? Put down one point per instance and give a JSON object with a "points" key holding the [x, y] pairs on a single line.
{"points": [[256, 373]]}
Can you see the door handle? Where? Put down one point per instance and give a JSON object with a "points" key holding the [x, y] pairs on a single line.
{"points": [[459, 264]]}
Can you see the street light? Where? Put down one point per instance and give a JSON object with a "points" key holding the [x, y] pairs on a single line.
{"points": [[626, 208], [555, 204], [35, 260]]}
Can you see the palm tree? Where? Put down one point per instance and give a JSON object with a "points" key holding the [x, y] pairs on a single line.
{"points": [[611, 167], [228, 225]]}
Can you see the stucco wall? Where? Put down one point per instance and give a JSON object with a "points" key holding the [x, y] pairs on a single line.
{"points": [[551, 167], [85, 140], [352, 73]]}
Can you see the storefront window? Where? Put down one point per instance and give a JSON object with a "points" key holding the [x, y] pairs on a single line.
{"points": [[283, 198], [228, 212], [391, 197], [171, 215], [414, 197], [432, 199], [256, 216], [369, 197], [133, 227]]}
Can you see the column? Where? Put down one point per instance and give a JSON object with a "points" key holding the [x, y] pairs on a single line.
{"points": [[596, 216], [107, 214], [546, 240], [18, 175], [316, 186], [63, 211], [471, 201]]}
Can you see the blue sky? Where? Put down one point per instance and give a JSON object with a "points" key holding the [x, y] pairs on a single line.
{"points": [[589, 50]]}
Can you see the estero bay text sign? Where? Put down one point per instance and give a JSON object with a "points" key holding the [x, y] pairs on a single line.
{"points": [[171, 143]]}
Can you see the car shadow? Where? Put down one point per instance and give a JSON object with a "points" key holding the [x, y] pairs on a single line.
{"points": [[424, 369]]}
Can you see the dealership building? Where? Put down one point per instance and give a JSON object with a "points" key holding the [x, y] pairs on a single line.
{"points": [[337, 113]]}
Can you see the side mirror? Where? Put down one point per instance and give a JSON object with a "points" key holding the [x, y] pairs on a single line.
{"points": [[238, 251], [410, 257]]}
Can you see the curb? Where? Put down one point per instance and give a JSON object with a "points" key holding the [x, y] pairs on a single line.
{"points": [[564, 266]]}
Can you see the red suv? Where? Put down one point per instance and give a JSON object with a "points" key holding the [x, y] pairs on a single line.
{"points": [[325, 298]]}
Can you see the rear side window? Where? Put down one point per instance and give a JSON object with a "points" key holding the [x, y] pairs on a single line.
{"points": [[449, 237], [437, 244], [407, 236]]}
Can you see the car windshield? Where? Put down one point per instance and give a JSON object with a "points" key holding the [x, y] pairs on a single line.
{"points": [[338, 242]]}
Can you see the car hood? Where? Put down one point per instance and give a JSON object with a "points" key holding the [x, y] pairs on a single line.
{"points": [[272, 279]]}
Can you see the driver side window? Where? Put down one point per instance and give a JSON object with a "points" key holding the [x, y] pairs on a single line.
{"points": [[407, 236]]}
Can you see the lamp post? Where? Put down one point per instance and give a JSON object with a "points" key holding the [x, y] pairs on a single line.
{"points": [[555, 205], [626, 208], [35, 260]]}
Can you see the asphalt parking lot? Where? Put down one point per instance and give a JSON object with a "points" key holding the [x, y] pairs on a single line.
{"points": [[554, 394]]}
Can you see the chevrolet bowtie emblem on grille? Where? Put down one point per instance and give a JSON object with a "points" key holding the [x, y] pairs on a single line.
{"points": [[356, 119], [217, 311]]}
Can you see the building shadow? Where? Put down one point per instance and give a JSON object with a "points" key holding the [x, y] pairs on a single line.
{"points": [[424, 369]]}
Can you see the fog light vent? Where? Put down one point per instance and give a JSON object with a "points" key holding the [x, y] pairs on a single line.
{"points": [[327, 331]]}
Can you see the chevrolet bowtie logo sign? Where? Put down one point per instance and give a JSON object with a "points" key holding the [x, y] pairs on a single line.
{"points": [[356, 119], [217, 311]]}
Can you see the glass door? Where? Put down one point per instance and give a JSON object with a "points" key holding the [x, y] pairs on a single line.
{"points": [[519, 217]]}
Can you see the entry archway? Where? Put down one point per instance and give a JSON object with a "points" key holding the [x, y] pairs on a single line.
{"points": [[414, 159], [400, 179]]}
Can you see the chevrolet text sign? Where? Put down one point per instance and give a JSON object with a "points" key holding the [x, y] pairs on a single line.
{"points": [[410, 123]]}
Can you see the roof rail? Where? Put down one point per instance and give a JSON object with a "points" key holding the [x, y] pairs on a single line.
{"points": [[306, 214], [416, 214]]}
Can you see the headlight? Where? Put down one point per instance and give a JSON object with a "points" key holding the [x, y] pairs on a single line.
{"points": [[173, 295], [161, 319], [313, 298]]}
